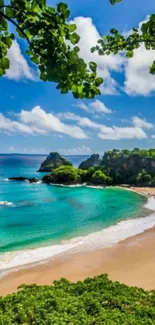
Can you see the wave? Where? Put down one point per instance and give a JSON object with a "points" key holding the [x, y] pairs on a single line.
{"points": [[6, 203], [107, 237], [73, 185]]}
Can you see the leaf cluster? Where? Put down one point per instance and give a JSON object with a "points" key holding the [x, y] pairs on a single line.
{"points": [[115, 42], [52, 45]]}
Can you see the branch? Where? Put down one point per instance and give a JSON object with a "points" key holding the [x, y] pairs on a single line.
{"points": [[131, 43], [17, 26]]}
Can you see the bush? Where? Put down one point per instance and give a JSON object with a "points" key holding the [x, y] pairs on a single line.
{"points": [[96, 301]]}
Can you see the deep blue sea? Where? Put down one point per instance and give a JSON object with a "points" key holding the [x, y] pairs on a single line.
{"points": [[40, 215]]}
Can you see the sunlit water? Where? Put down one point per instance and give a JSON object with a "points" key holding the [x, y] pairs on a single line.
{"points": [[32, 214]]}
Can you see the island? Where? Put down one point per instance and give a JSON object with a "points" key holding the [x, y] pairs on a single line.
{"points": [[53, 161], [117, 167], [93, 161]]}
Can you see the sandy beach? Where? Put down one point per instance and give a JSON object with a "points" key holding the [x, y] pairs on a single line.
{"points": [[131, 261]]}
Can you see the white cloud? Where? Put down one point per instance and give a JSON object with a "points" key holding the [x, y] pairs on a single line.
{"points": [[99, 107], [106, 132], [106, 64], [153, 136], [82, 150], [118, 133], [38, 118], [19, 67], [138, 80], [138, 122], [37, 121], [94, 107], [10, 126]]}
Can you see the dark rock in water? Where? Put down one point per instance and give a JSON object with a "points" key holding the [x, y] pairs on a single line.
{"points": [[22, 179], [53, 161], [47, 179], [93, 161]]}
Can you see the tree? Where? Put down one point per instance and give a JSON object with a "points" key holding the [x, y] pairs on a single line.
{"points": [[99, 177], [116, 42], [52, 45]]}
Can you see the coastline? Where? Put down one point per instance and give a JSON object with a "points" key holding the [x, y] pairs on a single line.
{"points": [[126, 255]]}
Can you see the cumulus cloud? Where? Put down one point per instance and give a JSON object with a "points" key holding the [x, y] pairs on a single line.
{"points": [[106, 64], [138, 122], [94, 107], [138, 80], [37, 121], [19, 67], [106, 132]]}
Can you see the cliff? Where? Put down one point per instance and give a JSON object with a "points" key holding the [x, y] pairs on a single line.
{"points": [[54, 160], [93, 161]]}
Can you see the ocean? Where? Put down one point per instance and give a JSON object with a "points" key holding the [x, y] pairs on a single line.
{"points": [[38, 221]]}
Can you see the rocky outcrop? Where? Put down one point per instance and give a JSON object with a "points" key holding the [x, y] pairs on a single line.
{"points": [[23, 179], [93, 161], [54, 160]]}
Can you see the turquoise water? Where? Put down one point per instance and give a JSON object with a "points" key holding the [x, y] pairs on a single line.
{"points": [[42, 214]]}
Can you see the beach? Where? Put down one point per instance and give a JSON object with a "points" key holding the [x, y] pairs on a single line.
{"points": [[131, 261]]}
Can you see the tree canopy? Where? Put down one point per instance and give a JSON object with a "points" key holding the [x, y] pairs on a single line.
{"points": [[53, 44]]}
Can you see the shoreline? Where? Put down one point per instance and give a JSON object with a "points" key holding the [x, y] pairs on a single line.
{"points": [[131, 261], [63, 263]]}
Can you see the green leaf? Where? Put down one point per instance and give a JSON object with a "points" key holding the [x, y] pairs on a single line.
{"points": [[72, 27], [98, 81], [62, 7], [39, 3], [93, 66], [74, 38], [9, 12], [3, 23], [5, 63]]}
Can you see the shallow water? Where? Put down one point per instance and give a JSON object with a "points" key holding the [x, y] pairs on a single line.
{"points": [[33, 215]]}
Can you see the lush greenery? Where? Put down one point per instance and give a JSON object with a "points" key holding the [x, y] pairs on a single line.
{"points": [[51, 45], [134, 167], [130, 166], [94, 301], [54, 160]]}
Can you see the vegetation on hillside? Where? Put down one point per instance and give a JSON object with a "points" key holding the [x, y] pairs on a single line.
{"points": [[95, 301], [134, 167]]}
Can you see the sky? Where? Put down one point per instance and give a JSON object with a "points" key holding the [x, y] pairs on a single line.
{"points": [[36, 118]]}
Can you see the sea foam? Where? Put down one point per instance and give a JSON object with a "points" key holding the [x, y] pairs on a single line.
{"points": [[6, 203], [107, 237]]}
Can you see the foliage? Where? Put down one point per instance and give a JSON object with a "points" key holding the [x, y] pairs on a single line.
{"points": [[130, 166], [116, 42], [100, 178], [134, 167], [95, 301], [66, 175], [52, 45]]}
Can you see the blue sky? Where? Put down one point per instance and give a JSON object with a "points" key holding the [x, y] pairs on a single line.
{"points": [[36, 118]]}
